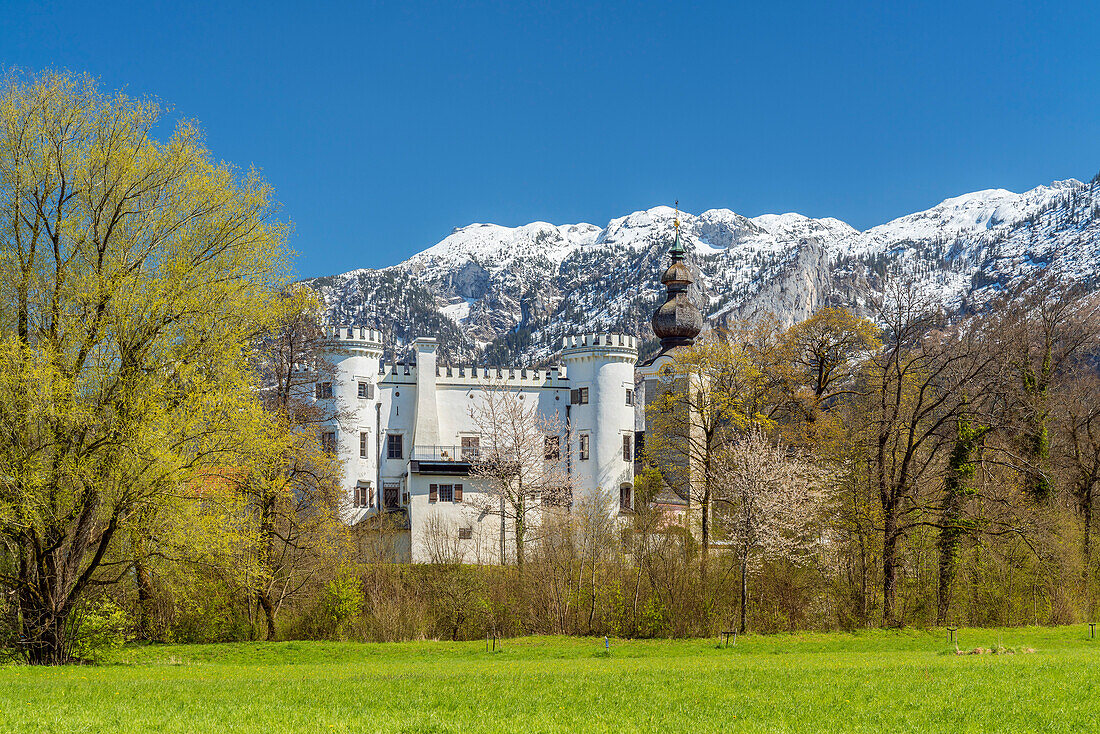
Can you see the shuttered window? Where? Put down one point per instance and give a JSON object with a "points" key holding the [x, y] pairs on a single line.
{"points": [[584, 447], [364, 444], [324, 390], [579, 396], [433, 493], [364, 497], [446, 493], [366, 390], [629, 396], [627, 448]]}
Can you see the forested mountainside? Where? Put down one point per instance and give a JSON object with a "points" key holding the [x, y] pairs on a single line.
{"points": [[503, 295]]}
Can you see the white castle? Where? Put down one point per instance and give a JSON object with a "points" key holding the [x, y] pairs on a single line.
{"points": [[409, 441]]}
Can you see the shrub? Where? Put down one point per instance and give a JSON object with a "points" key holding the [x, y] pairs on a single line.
{"points": [[99, 627], [341, 603]]}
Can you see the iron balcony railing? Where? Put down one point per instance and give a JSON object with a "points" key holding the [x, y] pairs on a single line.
{"points": [[467, 454], [462, 454]]}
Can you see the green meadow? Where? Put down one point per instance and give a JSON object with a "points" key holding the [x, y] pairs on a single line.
{"points": [[867, 681]]}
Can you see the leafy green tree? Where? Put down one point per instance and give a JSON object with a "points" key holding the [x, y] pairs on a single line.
{"points": [[134, 276]]}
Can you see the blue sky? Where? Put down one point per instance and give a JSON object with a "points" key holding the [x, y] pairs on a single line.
{"points": [[383, 126]]}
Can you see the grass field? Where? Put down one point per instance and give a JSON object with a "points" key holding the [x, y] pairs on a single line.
{"points": [[872, 681]]}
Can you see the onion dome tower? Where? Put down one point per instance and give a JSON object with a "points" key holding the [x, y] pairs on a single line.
{"points": [[677, 321]]}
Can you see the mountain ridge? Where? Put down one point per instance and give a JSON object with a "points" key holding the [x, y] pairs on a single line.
{"points": [[508, 294]]}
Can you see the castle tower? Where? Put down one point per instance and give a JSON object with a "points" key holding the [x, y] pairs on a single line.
{"points": [[676, 322], [356, 355], [600, 368]]}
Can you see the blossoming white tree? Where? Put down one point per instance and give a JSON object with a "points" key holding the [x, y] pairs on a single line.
{"points": [[769, 496]]}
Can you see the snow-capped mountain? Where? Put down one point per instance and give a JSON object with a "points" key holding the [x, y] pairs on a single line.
{"points": [[508, 294]]}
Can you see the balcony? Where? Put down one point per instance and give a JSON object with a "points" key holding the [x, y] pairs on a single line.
{"points": [[457, 460]]}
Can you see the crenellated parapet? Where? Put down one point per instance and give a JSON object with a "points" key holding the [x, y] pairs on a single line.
{"points": [[600, 346], [472, 375], [475, 376], [353, 335]]}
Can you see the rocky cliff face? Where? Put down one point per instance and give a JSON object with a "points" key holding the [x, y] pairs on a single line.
{"points": [[507, 295]]}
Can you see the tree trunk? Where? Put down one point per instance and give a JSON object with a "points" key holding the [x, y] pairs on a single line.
{"points": [[145, 596], [744, 590], [890, 567], [956, 487], [44, 631], [1088, 530], [705, 536], [269, 613], [520, 530]]}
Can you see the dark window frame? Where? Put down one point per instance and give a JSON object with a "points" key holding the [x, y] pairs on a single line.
{"points": [[551, 448]]}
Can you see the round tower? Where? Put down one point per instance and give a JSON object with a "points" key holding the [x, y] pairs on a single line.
{"points": [[600, 369], [355, 353]]}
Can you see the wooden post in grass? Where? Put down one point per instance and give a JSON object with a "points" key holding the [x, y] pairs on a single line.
{"points": [[1092, 630], [951, 636]]}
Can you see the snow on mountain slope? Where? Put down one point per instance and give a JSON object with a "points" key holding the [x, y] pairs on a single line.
{"points": [[507, 294]]}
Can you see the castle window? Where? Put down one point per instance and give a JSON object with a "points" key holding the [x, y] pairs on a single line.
{"points": [[328, 442], [446, 493], [465, 533], [366, 390], [389, 494], [395, 448], [579, 396], [625, 500], [551, 448], [364, 444], [470, 446], [584, 447], [628, 453], [363, 495], [629, 396], [324, 390]]}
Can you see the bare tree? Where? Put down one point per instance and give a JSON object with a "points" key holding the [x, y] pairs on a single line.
{"points": [[521, 463], [1045, 328], [917, 386], [293, 486], [1078, 447], [768, 498]]}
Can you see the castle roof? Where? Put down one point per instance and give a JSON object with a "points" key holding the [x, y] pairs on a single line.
{"points": [[677, 321]]}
